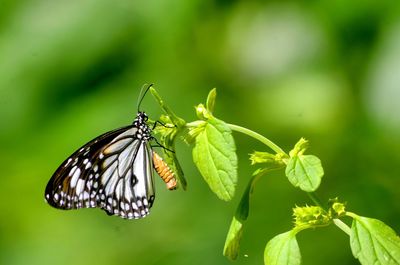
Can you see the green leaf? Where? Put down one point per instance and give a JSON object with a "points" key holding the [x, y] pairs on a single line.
{"points": [[214, 154], [211, 100], [373, 242], [232, 242], [305, 172], [299, 148], [242, 211], [283, 250]]}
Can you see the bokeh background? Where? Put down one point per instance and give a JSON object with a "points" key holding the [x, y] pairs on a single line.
{"points": [[71, 70]]}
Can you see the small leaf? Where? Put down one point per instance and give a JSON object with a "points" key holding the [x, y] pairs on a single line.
{"points": [[373, 242], [305, 171], [202, 112], [283, 250], [242, 211], [310, 216], [232, 242], [214, 154], [270, 161], [336, 208], [299, 148], [211, 100]]}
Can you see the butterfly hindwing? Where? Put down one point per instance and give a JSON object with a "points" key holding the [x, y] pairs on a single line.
{"points": [[112, 172]]}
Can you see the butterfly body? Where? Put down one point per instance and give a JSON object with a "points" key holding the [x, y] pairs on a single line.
{"points": [[112, 172]]}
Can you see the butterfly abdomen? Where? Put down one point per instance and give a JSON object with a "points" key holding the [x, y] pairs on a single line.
{"points": [[164, 171]]}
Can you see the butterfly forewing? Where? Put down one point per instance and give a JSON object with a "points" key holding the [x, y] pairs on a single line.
{"points": [[112, 172]]}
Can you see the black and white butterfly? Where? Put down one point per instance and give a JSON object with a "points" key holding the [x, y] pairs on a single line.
{"points": [[113, 172]]}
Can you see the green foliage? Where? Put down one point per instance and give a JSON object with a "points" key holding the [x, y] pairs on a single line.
{"points": [[215, 157], [214, 154], [310, 216], [232, 242], [270, 160], [214, 151], [373, 242], [304, 171], [283, 249]]}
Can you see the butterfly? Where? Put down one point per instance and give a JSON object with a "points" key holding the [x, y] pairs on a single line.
{"points": [[113, 172]]}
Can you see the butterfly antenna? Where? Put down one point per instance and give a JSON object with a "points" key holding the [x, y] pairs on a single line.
{"points": [[142, 94]]}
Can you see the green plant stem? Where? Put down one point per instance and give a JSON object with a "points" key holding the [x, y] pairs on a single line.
{"points": [[345, 228], [315, 199], [257, 136], [175, 119]]}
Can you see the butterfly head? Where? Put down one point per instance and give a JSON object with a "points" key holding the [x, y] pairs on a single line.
{"points": [[141, 118], [140, 122]]}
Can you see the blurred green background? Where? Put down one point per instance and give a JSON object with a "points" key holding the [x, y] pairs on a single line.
{"points": [[71, 70]]}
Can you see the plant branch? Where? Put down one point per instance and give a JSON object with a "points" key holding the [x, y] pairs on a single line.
{"points": [[257, 136], [313, 196], [344, 227]]}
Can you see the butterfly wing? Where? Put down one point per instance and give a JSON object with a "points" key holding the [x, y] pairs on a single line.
{"points": [[112, 172]]}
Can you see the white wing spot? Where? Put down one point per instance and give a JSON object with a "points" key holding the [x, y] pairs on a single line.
{"points": [[72, 171], [88, 165], [69, 161], [75, 176], [79, 187]]}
